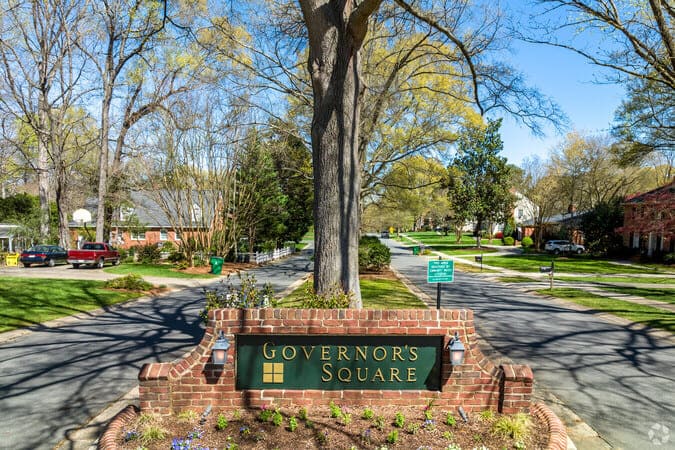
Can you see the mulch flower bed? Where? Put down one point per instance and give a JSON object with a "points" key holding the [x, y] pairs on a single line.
{"points": [[333, 428]]}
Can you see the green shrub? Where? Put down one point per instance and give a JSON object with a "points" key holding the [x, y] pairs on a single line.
{"points": [[335, 298], [508, 240], [131, 282], [168, 247], [373, 255], [527, 242], [148, 254], [669, 258], [177, 257], [247, 295]]}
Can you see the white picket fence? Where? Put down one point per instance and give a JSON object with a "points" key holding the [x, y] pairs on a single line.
{"points": [[262, 257]]}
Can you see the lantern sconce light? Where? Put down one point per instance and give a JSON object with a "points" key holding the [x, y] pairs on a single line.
{"points": [[456, 349], [220, 348]]}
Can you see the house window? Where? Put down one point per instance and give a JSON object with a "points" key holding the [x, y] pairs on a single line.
{"points": [[177, 233], [163, 235], [521, 213], [138, 236]]}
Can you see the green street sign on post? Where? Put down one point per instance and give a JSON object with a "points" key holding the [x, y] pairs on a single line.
{"points": [[441, 271]]}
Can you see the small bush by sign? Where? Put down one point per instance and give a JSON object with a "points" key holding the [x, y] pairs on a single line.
{"points": [[374, 256]]}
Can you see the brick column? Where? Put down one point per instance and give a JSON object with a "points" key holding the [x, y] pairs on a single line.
{"points": [[516, 388]]}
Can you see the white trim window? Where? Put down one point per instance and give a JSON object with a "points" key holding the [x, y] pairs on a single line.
{"points": [[177, 234], [163, 234], [137, 236]]}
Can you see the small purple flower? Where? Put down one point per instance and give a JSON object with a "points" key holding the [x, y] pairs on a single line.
{"points": [[131, 435]]}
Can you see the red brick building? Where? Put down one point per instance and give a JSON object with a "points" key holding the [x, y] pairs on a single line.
{"points": [[649, 221]]}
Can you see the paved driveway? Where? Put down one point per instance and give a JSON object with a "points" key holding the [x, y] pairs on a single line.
{"points": [[53, 380], [619, 380]]}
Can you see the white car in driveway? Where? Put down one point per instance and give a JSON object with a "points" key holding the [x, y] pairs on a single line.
{"points": [[557, 247]]}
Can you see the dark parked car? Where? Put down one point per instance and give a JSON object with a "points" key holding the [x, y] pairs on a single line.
{"points": [[49, 255]]}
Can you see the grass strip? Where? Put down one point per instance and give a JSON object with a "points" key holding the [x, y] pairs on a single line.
{"points": [[573, 264], [519, 280], [154, 270], [661, 295], [618, 279], [25, 301], [652, 317], [375, 293]]}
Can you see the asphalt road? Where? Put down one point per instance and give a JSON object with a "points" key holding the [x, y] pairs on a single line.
{"points": [[53, 380], [619, 380]]}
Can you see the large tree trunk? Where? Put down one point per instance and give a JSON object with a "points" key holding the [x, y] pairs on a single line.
{"points": [[334, 40], [42, 169], [103, 163]]}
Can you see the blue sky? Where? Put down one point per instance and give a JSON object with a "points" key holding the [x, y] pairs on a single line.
{"points": [[572, 83], [577, 86]]}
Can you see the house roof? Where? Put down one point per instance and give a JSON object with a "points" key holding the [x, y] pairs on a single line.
{"points": [[653, 195], [7, 230], [145, 207]]}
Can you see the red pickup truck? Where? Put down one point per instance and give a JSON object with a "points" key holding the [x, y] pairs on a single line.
{"points": [[93, 254]]}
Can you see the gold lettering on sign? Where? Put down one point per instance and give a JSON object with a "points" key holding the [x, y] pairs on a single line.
{"points": [[383, 352], [358, 374], [328, 375], [412, 375], [396, 353], [393, 374], [307, 355], [284, 353], [271, 354], [342, 353], [325, 353], [413, 354], [344, 375], [378, 375], [361, 351]]}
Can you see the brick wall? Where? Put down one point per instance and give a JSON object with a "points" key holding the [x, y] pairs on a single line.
{"points": [[193, 382]]}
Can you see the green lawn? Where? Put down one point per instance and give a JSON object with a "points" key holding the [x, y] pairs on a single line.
{"points": [[432, 238], [461, 250], [653, 317], [619, 279], [376, 294], [25, 301], [661, 295], [573, 264], [154, 270], [517, 280]]}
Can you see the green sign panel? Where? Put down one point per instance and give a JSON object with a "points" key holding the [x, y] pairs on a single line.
{"points": [[441, 271], [339, 362]]}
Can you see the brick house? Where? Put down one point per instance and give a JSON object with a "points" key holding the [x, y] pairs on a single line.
{"points": [[649, 221], [151, 223]]}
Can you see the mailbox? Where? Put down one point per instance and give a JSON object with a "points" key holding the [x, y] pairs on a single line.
{"points": [[478, 258], [545, 269]]}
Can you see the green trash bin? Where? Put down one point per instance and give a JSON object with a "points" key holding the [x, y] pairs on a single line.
{"points": [[216, 265], [416, 250]]}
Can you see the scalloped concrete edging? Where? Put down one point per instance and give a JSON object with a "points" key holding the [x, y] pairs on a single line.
{"points": [[557, 439]]}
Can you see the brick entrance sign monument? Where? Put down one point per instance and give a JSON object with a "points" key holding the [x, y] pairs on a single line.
{"points": [[307, 357]]}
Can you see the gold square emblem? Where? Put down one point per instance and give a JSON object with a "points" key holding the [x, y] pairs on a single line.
{"points": [[273, 372]]}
